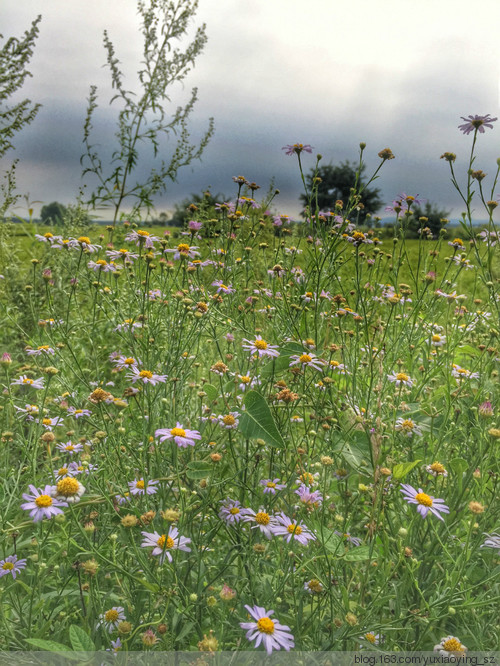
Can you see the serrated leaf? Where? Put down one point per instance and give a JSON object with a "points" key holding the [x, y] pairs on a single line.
{"points": [[358, 554], [198, 469], [80, 641], [51, 646], [402, 469], [257, 422], [211, 391]]}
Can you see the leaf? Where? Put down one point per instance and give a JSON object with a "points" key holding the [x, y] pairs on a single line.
{"points": [[51, 646], [282, 362], [358, 554], [331, 541], [257, 422], [80, 640], [459, 466], [198, 469], [401, 470], [211, 391]]}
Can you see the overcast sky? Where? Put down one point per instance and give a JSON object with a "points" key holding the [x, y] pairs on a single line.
{"points": [[331, 73]]}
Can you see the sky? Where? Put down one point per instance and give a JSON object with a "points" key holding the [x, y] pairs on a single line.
{"points": [[329, 73]]}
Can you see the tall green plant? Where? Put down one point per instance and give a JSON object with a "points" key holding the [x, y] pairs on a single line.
{"points": [[143, 118], [14, 58]]}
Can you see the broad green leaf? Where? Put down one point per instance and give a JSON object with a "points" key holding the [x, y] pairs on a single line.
{"points": [[331, 541], [80, 641], [51, 646], [198, 469], [358, 554], [401, 470], [282, 362], [257, 422], [150, 586], [211, 391], [459, 466]]}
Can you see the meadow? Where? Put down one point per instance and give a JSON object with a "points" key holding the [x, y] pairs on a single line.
{"points": [[250, 434]]}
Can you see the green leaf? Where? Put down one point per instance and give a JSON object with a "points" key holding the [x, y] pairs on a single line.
{"points": [[401, 470], [257, 422], [211, 391], [331, 541], [51, 646], [282, 362], [80, 641], [459, 466], [198, 469], [358, 554]]}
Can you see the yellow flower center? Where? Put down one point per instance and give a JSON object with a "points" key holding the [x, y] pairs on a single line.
{"points": [[129, 361], [371, 637], [178, 432], [146, 373], [43, 501], [424, 499], [183, 248], [48, 235], [260, 344], [140, 484], [42, 347], [436, 338], [245, 379], [270, 484], [69, 447], [294, 529], [305, 358], [7, 566], [27, 381], [62, 471], [262, 518], [265, 625], [309, 294], [78, 411], [334, 364], [123, 251], [438, 468], [458, 241], [306, 478], [358, 235], [165, 542], [101, 262], [229, 420], [402, 377], [453, 645], [84, 239], [111, 615], [46, 421], [142, 233], [408, 424], [67, 487], [234, 511]]}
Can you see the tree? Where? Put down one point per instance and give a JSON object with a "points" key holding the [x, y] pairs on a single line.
{"points": [[336, 182], [143, 118], [196, 203], [14, 58], [53, 213], [436, 218]]}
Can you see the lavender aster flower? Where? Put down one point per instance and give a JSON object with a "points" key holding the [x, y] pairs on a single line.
{"points": [[11, 565], [425, 502], [164, 543], [493, 541], [41, 504], [183, 437], [271, 486], [476, 122], [285, 527], [231, 511], [297, 148], [270, 633]]}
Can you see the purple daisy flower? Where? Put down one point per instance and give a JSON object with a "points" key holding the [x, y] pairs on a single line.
{"points": [[183, 437], [11, 565], [141, 487], [285, 527], [270, 633], [163, 543], [271, 486], [297, 148], [476, 122], [425, 502], [231, 511], [41, 504], [263, 521]]}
